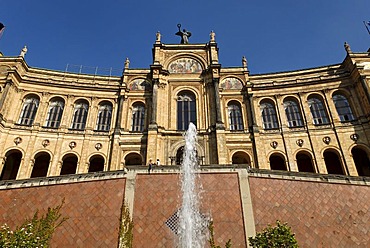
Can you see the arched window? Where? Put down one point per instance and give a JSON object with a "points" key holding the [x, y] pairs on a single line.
{"points": [[333, 163], [55, 113], [235, 116], [104, 117], [80, 115], [343, 108], [268, 114], [69, 165], [318, 111], [293, 113], [11, 166], [96, 163], [41, 166], [180, 155], [29, 109], [304, 162], [277, 162], [186, 110], [138, 117], [133, 159], [362, 161]]}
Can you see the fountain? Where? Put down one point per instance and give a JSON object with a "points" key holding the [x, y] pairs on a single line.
{"points": [[192, 225]]}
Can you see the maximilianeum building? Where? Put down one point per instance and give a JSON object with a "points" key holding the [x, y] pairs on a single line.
{"points": [[313, 120], [314, 124]]}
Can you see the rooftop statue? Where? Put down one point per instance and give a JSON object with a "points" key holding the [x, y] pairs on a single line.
{"points": [[127, 63], [23, 51], [158, 37], [212, 36], [184, 34]]}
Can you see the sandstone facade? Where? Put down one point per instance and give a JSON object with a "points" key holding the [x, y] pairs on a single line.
{"points": [[311, 120]]}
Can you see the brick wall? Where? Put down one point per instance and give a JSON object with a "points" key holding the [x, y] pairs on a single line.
{"points": [[93, 209], [156, 199], [321, 214]]}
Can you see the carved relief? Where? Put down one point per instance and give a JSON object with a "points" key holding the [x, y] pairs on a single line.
{"points": [[231, 83], [215, 72], [354, 137], [72, 144], [70, 97], [17, 140], [18, 90], [98, 146], [185, 65], [274, 144], [162, 84], [45, 143], [326, 140], [300, 142]]}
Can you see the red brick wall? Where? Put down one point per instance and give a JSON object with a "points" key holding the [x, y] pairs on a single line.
{"points": [[93, 209], [156, 199], [320, 214]]}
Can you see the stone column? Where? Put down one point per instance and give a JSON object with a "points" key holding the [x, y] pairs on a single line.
{"points": [[153, 119], [252, 126], [113, 151], [68, 112], [117, 125], [8, 84], [366, 87], [216, 82], [42, 110]]}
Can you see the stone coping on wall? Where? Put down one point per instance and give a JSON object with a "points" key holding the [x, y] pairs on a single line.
{"points": [[314, 177], [252, 172], [73, 178], [94, 176]]}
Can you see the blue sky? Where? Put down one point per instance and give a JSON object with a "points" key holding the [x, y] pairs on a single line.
{"points": [[274, 35]]}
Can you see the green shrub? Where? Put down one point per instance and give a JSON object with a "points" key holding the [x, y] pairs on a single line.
{"points": [[36, 232], [279, 236]]}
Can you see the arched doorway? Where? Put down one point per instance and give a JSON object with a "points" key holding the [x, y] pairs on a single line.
{"points": [[241, 158], [41, 166], [333, 163], [304, 162], [133, 159], [361, 160], [180, 156], [277, 162], [96, 163], [69, 164], [11, 166]]}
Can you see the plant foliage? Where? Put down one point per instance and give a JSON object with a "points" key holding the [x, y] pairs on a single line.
{"points": [[211, 240], [272, 237], [35, 232], [126, 228]]}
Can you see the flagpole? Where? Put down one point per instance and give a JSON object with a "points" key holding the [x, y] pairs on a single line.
{"points": [[366, 27]]}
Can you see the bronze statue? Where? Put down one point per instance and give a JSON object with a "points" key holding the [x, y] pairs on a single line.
{"points": [[184, 34]]}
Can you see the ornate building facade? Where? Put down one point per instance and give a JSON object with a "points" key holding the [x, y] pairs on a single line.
{"points": [[313, 120]]}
